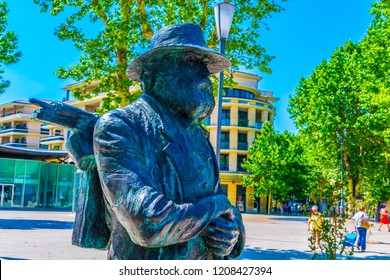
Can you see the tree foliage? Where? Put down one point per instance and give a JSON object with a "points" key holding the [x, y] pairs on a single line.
{"points": [[8, 46], [124, 28], [275, 165], [375, 95], [350, 92]]}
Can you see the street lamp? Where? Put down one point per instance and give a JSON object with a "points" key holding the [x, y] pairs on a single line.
{"points": [[341, 139], [223, 13]]}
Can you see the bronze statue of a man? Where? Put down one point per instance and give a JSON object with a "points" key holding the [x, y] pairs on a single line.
{"points": [[157, 169]]}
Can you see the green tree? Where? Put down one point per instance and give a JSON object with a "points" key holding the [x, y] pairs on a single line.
{"points": [[375, 104], [8, 46], [124, 29], [326, 104], [275, 165], [350, 92]]}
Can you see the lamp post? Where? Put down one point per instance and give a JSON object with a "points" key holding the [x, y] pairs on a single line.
{"points": [[341, 142], [223, 13]]}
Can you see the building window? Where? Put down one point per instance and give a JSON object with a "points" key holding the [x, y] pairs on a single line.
{"points": [[45, 131], [238, 93], [241, 198], [240, 160], [225, 118], [224, 162], [259, 123], [242, 141], [58, 132], [224, 189], [243, 118], [225, 140]]}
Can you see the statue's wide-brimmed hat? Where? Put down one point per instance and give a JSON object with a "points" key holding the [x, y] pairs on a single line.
{"points": [[177, 38]]}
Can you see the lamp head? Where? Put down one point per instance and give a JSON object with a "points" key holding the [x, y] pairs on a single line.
{"points": [[223, 13]]}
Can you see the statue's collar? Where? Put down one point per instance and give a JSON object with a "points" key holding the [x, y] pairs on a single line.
{"points": [[167, 113]]}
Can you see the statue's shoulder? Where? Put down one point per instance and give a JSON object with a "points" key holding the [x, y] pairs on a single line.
{"points": [[140, 111]]}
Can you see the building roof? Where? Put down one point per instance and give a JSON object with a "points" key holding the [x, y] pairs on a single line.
{"points": [[32, 154], [21, 102]]}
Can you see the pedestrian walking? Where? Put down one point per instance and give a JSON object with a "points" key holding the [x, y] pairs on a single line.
{"points": [[314, 224], [384, 220], [361, 226], [289, 207]]}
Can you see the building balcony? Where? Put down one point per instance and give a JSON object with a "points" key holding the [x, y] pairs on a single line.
{"points": [[243, 123], [52, 140], [13, 116], [14, 144], [241, 169], [246, 103], [243, 146], [45, 131], [224, 167], [12, 130], [258, 125], [225, 145], [20, 145], [225, 122]]}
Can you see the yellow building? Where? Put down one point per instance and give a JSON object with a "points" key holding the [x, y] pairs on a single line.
{"points": [[244, 109], [16, 127]]}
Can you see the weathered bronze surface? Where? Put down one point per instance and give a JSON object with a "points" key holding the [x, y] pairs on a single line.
{"points": [[157, 169], [90, 228]]}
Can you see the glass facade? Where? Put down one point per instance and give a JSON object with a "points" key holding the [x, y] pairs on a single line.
{"points": [[225, 140], [224, 162], [240, 93], [240, 160], [225, 117], [29, 183]]}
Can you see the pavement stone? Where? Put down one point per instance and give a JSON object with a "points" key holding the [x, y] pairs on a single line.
{"points": [[46, 235]]}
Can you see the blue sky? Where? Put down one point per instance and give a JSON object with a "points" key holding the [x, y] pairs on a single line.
{"points": [[300, 37]]}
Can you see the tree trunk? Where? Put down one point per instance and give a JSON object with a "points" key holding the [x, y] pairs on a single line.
{"points": [[269, 204]]}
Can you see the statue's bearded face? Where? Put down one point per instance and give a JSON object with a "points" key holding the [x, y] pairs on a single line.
{"points": [[182, 83]]}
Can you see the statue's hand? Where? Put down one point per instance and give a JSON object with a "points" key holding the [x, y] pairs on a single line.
{"points": [[80, 148], [221, 235], [223, 207]]}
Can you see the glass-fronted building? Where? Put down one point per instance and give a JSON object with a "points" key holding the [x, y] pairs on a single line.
{"points": [[32, 183]]}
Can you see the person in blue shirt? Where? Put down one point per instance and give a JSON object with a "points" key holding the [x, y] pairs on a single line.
{"points": [[361, 228]]}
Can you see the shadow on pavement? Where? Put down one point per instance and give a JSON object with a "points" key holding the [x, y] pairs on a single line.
{"points": [[290, 218], [383, 243], [12, 259], [274, 254], [379, 256], [34, 224]]}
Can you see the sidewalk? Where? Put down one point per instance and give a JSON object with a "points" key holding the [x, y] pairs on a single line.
{"points": [[286, 238], [40, 235]]}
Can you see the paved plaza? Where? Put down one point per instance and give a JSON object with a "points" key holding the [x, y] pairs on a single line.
{"points": [[42, 235]]}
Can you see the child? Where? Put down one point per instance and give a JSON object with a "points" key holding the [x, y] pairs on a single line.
{"points": [[314, 224]]}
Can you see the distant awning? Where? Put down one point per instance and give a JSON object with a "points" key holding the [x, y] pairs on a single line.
{"points": [[32, 154]]}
